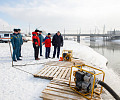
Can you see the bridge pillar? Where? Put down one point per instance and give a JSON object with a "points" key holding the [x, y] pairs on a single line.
{"points": [[78, 39], [92, 38], [104, 38], [64, 36]]}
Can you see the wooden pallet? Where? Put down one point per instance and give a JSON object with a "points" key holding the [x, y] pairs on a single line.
{"points": [[50, 72], [60, 90], [60, 63], [77, 62]]}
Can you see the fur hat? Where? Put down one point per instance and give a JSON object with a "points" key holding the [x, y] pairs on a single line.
{"points": [[36, 30], [15, 30]]}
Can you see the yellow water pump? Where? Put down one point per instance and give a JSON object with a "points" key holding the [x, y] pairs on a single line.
{"points": [[67, 55]]}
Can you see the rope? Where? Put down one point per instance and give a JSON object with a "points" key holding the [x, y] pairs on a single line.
{"points": [[29, 64], [23, 70], [25, 65]]}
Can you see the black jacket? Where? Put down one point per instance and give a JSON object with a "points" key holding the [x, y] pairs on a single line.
{"points": [[57, 40]]}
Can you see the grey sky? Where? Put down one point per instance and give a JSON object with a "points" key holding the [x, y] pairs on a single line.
{"points": [[53, 15]]}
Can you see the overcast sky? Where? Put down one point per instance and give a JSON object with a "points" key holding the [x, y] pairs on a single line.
{"points": [[53, 15]]}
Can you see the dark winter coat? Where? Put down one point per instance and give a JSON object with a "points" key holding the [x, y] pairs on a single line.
{"points": [[35, 39], [57, 40], [47, 41]]}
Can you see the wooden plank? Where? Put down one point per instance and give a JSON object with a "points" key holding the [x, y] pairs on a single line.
{"points": [[46, 71], [63, 94], [48, 74], [40, 70], [50, 62], [54, 72], [51, 97], [70, 65], [69, 92], [60, 63], [55, 63], [38, 74], [63, 87], [63, 83], [58, 83], [61, 73], [43, 71], [63, 63], [68, 75], [58, 72], [60, 80], [65, 73], [66, 64]]}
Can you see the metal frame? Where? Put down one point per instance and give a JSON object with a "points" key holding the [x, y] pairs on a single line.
{"points": [[81, 69], [71, 55]]}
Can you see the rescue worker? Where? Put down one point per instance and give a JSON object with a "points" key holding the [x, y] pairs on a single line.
{"points": [[15, 44], [57, 42], [41, 40], [21, 41], [47, 42], [36, 43]]}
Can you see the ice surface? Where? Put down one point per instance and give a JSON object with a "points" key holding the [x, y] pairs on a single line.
{"points": [[18, 85]]}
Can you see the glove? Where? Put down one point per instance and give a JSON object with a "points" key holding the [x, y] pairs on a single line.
{"points": [[14, 48], [61, 45], [37, 45], [53, 44]]}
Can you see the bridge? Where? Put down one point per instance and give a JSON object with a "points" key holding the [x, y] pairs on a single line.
{"points": [[99, 35], [105, 36]]}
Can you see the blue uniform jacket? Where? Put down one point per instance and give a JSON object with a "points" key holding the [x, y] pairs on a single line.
{"points": [[15, 40], [41, 39], [20, 38]]}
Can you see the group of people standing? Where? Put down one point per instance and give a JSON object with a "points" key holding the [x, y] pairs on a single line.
{"points": [[16, 40], [38, 40]]}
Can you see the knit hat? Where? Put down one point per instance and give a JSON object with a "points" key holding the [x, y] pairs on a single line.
{"points": [[58, 31], [49, 34]]}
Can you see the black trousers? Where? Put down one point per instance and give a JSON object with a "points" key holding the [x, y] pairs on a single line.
{"points": [[47, 53], [40, 50], [36, 51], [58, 51]]}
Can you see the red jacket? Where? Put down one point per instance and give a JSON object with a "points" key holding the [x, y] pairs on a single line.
{"points": [[47, 41], [35, 39]]}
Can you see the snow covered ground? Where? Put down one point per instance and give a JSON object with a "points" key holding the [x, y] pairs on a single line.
{"points": [[18, 85]]}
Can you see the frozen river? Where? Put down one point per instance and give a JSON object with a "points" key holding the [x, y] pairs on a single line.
{"points": [[110, 50]]}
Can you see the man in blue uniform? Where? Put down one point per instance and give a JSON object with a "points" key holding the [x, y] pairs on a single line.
{"points": [[15, 44], [21, 41], [41, 40]]}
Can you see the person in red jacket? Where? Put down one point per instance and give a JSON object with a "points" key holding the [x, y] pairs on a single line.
{"points": [[36, 43], [47, 42]]}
